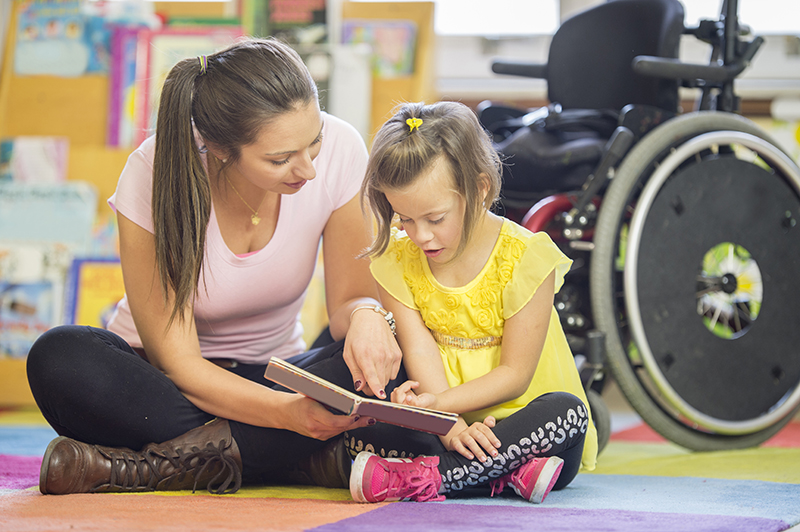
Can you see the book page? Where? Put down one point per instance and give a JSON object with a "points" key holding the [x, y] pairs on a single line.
{"points": [[408, 416], [310, 385]]}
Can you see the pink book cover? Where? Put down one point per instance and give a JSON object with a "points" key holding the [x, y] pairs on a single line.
{"points": [[122, 81], [158, 52], [114, 96]]}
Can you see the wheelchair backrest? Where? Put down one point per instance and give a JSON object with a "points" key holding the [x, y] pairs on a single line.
{"points": [[589, 64]]}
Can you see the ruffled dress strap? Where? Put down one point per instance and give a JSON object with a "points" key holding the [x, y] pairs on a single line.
{"points": [[395, 267], [534, 256]]}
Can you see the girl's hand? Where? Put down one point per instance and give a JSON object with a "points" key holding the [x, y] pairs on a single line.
{"points": [[371, 352], [476, 441], [309, 418], [405, 395]]}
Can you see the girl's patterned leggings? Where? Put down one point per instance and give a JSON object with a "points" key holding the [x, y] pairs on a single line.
{"points": [[553, 424]]}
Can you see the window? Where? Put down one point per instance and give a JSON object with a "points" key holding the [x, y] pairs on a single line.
{"points": [[495, 18], [764, 17]]}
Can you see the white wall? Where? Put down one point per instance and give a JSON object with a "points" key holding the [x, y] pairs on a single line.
{"points": [[464, 64]]}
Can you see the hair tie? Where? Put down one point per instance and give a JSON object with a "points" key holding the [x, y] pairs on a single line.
{"points": [[203, 64], [413, 123]]}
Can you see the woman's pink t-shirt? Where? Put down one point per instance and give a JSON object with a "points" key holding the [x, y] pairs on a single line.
{"points": [[248, 308]]}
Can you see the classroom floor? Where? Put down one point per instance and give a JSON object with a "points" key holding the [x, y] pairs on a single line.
{"points": [[642, 483]]}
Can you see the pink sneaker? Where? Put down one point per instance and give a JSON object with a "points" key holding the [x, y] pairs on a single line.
{"points": [[532, 481], [376, 479]]}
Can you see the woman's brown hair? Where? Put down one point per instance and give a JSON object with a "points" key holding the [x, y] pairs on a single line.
{"points": [[400, 154], [229, 100]]}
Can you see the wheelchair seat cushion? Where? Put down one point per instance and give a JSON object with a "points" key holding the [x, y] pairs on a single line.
{"points": [[545, 161]]}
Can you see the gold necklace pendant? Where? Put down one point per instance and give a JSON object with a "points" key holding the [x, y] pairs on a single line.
{"points": [[255, 219]]}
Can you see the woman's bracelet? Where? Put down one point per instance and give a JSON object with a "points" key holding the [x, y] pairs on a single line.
{"points": [[383, 312]]}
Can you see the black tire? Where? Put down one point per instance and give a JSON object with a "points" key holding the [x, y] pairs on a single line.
{"points": [[601, 418], [610, 303]]}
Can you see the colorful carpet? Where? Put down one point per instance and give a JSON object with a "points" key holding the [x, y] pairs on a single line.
{"points": [[642, 483]]}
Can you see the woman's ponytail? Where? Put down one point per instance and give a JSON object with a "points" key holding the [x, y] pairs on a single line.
{"points": [[181, 190]]}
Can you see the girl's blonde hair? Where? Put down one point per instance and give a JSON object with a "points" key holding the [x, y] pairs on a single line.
{"points": [[401, 153]]}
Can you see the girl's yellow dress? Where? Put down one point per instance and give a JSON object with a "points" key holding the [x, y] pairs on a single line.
{"points": [[467, 322]]}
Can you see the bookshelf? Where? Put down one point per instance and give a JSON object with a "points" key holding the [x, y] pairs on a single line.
{"points": [[420, 85], [76, 108]]}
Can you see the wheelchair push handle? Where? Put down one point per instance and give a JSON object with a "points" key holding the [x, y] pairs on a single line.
{"points": [[519, 68]]}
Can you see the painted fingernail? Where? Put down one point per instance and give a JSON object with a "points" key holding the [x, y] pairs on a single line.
{"points": [[382, 394], [372, 421], [356, 418], [357, 384]]}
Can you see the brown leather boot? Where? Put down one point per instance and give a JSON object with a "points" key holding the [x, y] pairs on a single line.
{"points": [[328, 468], [205, 457]]}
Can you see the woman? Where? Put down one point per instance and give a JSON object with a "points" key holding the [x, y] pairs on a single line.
{"points": [[220, 218]]}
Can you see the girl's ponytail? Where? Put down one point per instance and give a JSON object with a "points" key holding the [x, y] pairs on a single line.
{"points": [[181, 190]]}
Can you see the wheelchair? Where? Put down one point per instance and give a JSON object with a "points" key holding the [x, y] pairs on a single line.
{"points": [[682, 227]]}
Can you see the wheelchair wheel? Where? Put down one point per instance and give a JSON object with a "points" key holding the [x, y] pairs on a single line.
{"points": [[694, 281]]}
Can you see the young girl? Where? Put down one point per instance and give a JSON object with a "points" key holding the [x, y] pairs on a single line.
{"points": [[472, 294]]}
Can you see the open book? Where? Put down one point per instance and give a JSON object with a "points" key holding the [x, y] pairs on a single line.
{"points": [[347, 402]]}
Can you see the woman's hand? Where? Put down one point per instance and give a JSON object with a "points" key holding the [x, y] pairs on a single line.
{"points": [[309, 418], [405, 395], [476, 440], [371, 352]]}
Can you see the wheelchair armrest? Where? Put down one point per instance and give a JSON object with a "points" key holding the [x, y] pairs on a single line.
{"points": [[520, 68], [663, 67]]}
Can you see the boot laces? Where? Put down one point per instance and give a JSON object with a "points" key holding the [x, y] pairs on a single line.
{"points": [[128, 468]]}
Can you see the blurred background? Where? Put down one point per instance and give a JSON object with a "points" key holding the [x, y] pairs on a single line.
{"points": [[79, 86]]}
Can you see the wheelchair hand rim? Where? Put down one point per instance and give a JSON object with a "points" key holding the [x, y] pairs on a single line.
{"points": [[630, 274]]}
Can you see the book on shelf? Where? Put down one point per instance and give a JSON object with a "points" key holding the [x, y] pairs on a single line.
{"points": [[393, 44], [349, 403], [27, 310], [33, 159], [122, 84], [32, 277], [157, 52], [297, 22], [62, 213], [94, 287]]}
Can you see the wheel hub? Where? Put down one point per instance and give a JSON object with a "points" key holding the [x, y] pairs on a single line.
{"points": [[729, 290]]}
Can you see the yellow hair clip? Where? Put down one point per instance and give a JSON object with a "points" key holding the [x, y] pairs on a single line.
{"points": [[413, 123]]}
